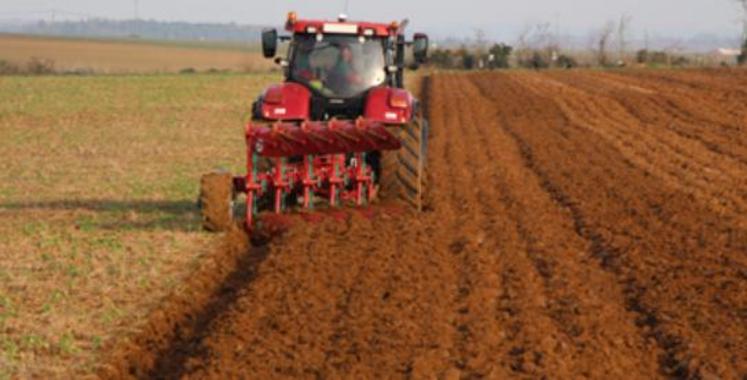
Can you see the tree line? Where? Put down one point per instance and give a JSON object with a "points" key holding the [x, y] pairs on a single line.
{"points": [[537, 47], [143, 29]]}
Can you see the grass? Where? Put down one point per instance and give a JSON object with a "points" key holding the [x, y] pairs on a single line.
{"points": [[131, 56], [98, 222]]}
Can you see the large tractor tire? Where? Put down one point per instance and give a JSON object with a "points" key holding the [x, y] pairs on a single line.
{"points": [[216, 201], [403, 171]]}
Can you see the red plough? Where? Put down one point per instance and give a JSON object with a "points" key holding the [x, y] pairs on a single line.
{"points": [[311, 161]]}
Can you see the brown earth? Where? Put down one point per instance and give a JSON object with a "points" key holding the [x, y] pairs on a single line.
{"points": [[580, 225], [130, 56], [216, 195]]}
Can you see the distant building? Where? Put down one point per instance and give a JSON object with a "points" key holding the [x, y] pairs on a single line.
{"points": [[728, 52], [727, 56]]}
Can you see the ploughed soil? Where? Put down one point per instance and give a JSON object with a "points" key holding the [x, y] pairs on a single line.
{"points": [[579, 225]]}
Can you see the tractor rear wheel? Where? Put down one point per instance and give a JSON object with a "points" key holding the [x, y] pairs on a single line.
{"points": [[403, 171], [216, 201]]}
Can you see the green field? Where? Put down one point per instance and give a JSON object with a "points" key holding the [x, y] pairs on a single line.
{"points": [[98, 181]]}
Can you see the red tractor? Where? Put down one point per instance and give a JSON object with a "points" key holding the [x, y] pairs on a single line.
{"points": [[340, 130]]}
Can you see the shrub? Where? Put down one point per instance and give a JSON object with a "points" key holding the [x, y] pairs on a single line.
{"points": [[680, 61], [566, 62], [442, 58], [534, 61], [40, 66], [7, 68], [80, 71], [500, 54], [641, 56], [469, 61], [652, 57]]}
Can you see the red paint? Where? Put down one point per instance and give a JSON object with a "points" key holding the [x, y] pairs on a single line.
{"points": [[389, 105], [323, 173], [319, 138], [380, 30], [287, 101]]}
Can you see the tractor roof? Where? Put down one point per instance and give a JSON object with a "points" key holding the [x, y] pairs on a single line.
{"points": [[341, 26]]}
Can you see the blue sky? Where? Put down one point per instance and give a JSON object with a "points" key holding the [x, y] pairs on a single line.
{"points": [[500, 19]]}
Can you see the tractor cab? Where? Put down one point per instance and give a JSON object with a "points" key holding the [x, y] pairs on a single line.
{"points": [[338, 66], [337, 63]]}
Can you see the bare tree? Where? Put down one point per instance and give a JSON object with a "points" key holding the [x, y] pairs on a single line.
{"points": [[537, 46], [622, 30], [742, 59], [743, 3], [481, 38], [674, 49], [481, 46], [529, 42], [602, 42], [547, 44], [523, 38], [522, 44], [543, 36]]}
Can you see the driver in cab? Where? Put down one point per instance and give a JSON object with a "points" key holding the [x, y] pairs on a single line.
{"points": [[343, 73], [339, 76]]}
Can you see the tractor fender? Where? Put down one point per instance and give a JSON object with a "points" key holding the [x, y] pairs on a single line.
{"points": [[389, 105], [286, 101]]}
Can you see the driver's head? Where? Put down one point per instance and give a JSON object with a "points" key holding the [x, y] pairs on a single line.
{"points": [[346, 54]]}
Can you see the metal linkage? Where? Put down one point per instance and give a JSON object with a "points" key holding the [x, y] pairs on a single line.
{"points": [[309, 182]]}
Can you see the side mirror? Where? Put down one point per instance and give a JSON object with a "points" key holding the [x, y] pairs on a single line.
{"points": [[269, 43], [420, 48]]}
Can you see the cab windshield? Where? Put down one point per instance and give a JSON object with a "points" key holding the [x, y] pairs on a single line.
{"points": [[338, 65]]}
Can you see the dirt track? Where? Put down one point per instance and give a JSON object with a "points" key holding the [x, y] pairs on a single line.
{"points": [[581, 224]]}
